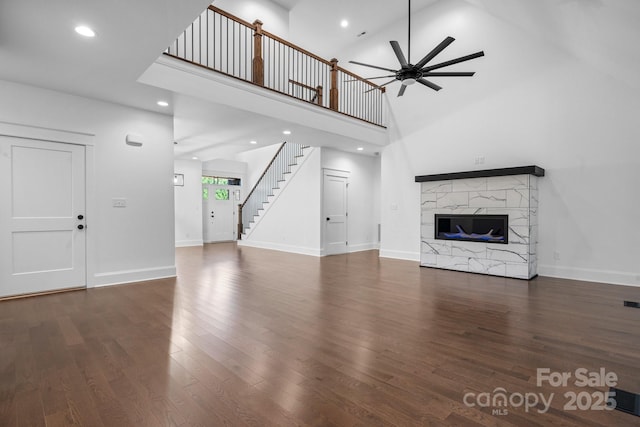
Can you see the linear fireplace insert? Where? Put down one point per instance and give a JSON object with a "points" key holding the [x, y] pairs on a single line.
{"points": [[473, 228]]}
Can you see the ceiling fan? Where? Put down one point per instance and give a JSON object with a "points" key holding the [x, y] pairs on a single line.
{"points": [[409, 73]]}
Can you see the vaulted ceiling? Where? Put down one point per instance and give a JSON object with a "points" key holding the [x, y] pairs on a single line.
{"points": [[38, 45]]}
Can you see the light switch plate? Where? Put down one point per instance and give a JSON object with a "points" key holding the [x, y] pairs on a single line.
{"points": [[119, 203]]}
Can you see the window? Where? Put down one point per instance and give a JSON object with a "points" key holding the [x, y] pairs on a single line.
{"points": [[222, 194], [217, 180]]}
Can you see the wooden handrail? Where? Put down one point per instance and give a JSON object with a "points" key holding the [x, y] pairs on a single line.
{"points": [[232, 17], [289, 44], [263, 174], [258, 66], [268, 34], [303, 85], [317, 97], [298, 48]]}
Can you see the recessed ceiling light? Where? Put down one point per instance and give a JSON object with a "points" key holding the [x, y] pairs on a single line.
{"points": [[360, 148], [163, 103], [253, 142], [83, 30], [286, 132], [344, 23], [194, 158]]}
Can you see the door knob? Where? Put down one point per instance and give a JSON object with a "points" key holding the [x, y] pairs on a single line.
{"points": [[80, 227], [328, 218], [80, 216]]}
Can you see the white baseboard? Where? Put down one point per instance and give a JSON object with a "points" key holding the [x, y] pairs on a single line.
{"points": [[590, 275], [129, 276], [406, 255], [363, 247], [304, 250], [185, 243], [281, 247]]}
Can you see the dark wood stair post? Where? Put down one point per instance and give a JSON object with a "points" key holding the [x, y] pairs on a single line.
{"points": [[240, 225], [258, 62], [333, 92]]}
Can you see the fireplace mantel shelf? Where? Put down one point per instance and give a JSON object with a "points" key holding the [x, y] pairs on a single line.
{"points": [[519, 170]]}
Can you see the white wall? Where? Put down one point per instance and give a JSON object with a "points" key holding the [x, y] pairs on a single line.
{"points": [[292, 222], [363, 203], [225, 168], [188, 203], [399, 205], [256, 161], [275, 18], [124, 244], [531, 102]]}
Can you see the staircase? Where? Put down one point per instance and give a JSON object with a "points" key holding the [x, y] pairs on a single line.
{"points": [[281, 168]]}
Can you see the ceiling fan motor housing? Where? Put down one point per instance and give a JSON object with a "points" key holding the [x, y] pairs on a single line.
{"points": [[408, 73]]}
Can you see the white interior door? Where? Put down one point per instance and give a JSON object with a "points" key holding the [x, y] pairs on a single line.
{"points": [[335, 213], [42, 236], [218, 212]]}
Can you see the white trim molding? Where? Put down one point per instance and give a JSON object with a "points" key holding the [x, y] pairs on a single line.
{"points": [[21, 130], [280, 247], [405, 255], [187, 243], [590, 275], [129, 276]]}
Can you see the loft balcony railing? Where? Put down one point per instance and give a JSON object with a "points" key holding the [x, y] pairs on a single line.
{"points": [[227, 44]]}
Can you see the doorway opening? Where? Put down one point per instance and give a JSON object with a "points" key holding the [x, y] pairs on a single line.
{"points": [[220, 196]]}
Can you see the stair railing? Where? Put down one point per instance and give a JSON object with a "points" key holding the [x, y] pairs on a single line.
{"points": [[219, 41], [275, 173]]}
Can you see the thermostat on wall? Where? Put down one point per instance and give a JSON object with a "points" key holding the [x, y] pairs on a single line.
{"points": [[134, 139]]}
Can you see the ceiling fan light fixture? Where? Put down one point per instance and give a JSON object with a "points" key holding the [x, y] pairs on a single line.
{"points": [[410, 73]]}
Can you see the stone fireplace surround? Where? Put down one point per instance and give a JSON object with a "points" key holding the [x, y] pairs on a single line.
{"points": [[507, 191]]}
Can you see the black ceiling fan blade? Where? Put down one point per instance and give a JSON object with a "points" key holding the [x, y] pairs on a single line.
{"points": [[396, 48], [402, 89], [449, 74], [372, 66], [427, 83], [453, 61], [436, 50], [378, 87]]}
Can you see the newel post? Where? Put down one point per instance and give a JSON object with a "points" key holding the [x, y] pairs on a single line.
{"points": [[258, 62], [240, 225], [333, 92]]}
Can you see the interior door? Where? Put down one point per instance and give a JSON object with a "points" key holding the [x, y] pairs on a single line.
{"points": [[42, 224], [335, 213], [219, 224]]}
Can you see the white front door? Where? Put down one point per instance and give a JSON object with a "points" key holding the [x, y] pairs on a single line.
{"points": [[42, 224], [218, 212], [335, 212]]}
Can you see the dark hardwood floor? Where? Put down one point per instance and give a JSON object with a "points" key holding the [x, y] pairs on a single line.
{"points": [[250, 337]]}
